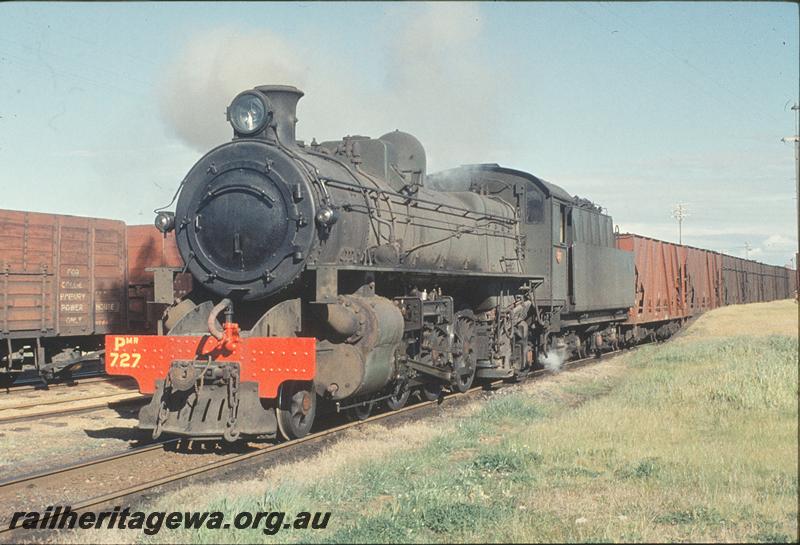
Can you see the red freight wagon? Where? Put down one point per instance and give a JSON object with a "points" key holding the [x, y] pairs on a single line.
{"points": [[747, 281], [67, 281], [62, 287], [672, 281], [675, 281], [148, 248]]}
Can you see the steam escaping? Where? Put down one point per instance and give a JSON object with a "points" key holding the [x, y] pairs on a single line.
{"points": [[552, 360], [436, 83], [210, 71]]}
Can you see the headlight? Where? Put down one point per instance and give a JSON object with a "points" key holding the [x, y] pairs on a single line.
{"points": [[165, 222], [248, 113], [326, 216]]}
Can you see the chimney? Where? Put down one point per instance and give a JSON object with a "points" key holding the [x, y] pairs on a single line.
{"points": [[283, 102]]}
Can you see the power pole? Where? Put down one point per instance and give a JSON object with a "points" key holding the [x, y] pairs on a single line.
{"points": [[679, 212], [796, 140], [747, 249]]}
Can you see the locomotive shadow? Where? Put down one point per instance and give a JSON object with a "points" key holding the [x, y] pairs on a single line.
{"points": [[327, 418], [132, 434], [136, 437]]}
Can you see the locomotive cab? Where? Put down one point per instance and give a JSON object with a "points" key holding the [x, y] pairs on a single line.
{"points": [[570, 243]]}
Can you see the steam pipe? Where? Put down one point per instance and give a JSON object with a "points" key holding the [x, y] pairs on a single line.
{"points": [[226, 305]]}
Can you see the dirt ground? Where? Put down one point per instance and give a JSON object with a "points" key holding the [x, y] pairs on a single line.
{"points": [[34, 446]]}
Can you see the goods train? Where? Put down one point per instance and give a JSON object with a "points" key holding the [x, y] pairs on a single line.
{"points": [[67, 281], [341, 275]]}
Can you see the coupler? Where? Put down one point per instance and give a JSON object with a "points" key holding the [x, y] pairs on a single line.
{"points": [[207, 400]]}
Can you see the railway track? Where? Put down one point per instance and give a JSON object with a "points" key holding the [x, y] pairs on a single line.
{"points": [[48, 402], [51, 486], [25, 403], [96, 404], [36, 384]]}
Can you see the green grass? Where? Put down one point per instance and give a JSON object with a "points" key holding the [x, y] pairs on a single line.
{"points": [[694, 441]]}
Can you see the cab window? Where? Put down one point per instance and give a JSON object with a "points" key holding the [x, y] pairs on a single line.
{"points": [[534, 206]]}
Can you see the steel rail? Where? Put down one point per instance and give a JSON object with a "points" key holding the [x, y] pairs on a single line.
{"points": [[70, 410], [34, 384], [49, 401], [7, 484]]}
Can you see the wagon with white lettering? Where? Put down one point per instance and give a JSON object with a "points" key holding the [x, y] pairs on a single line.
{"points": [[63, 285]]}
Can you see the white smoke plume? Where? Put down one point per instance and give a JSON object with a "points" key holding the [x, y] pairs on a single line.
{"points": [[552, 360], [437, 85]]}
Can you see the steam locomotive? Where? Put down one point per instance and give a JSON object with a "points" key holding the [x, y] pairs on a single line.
{"points": [[341, 276]]}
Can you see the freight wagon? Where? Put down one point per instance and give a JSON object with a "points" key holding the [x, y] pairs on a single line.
{"points": [[676, 282], [67, 281], [151, 253]]}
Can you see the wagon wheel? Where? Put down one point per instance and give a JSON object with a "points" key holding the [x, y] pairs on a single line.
{"points": [[399, 397], [464, 363], [297, 406]]}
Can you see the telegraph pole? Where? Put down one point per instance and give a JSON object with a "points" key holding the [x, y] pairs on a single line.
{"points": [[679, 212], [796, 140], [747, 249]]}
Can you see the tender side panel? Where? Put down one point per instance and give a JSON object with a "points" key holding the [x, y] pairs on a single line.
{"points": [[603, 277]]}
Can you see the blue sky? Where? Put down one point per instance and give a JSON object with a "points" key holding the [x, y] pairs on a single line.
{"points": [[637, 106]]}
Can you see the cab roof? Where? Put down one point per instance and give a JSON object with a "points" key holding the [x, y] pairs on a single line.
{"points": [[549, 189]]}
